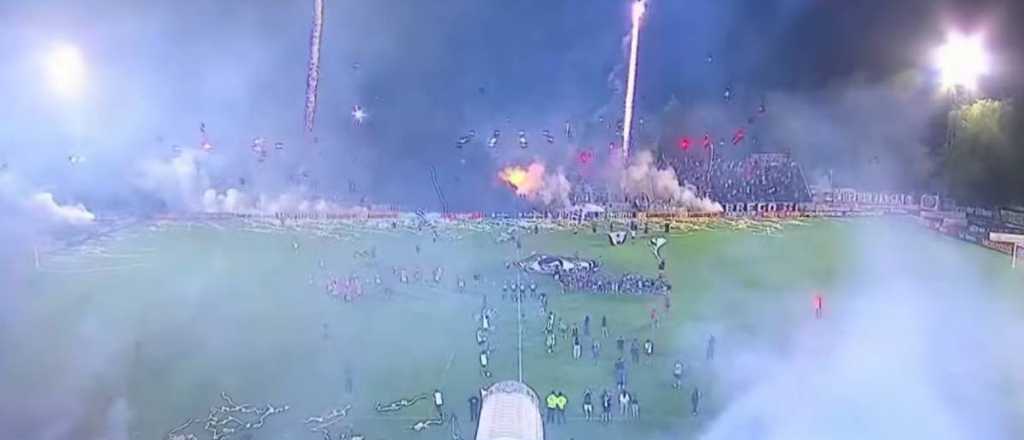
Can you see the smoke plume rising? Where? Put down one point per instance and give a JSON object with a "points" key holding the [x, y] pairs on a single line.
{"points": [[643, 177]]}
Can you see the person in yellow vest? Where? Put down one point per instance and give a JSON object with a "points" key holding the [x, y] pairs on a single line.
{"points": [[552, 402], [562, 402]]}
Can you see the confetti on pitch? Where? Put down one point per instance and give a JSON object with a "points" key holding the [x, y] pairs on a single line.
{"points": [[727, 94], [323, 423], [73, 159], [227, 420], [709, 58], [424, 424], [399, 404], [568, 130], [313, 70], [548, 137], [522, 140]]}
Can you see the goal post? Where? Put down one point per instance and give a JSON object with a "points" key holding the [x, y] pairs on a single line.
{"points": [[1014, 240]]}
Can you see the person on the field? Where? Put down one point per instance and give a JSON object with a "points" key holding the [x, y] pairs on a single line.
{"points": [[575, 332], [655, 323], [439, 402], [634, 407], [606, 407], [677, 374], [348, 379], [588, 406], [624, 403], [604, 326], [562, 402], [549, 342], [481, 336], [461, 285], [586, 325], [552, 404], [563, 328], [620, 343], [634, 351], [474, 407], [710, 352], [649, 348], [695, 401], [483, 363], [620, 373], [595, 349], [577, 349]]}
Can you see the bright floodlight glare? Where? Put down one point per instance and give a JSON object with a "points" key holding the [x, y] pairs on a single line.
{"points": [[66, 70], [962, 60]]}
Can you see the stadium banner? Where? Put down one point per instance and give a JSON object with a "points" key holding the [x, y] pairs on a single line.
{"points": [[1012, 217], [1006, 248], [930, 202]]}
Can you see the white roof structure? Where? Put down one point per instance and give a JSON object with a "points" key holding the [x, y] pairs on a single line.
{"points": [[510, 411]]}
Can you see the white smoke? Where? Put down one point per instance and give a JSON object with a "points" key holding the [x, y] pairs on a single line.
{"points": [[185, 187], [45, 205], [904, 353], [642, 177], [556, 189], [539, 186], [178, 182], [39, 206]]}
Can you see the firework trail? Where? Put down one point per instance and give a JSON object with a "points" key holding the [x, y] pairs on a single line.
{"points": [[313, 73], [638, 11]]}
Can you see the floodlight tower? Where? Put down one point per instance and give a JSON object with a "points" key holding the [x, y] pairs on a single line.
{"points": [[961, 61]]}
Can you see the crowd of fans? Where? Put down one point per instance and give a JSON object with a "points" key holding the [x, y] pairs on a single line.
{"points": [[754, 179], [596, 282]]}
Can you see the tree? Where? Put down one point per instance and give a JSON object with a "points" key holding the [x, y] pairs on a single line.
{"points": [[985, 162]]}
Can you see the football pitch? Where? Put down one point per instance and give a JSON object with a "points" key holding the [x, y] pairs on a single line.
{"points": [[147, 327]]}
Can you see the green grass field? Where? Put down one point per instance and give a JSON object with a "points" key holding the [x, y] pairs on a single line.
{"points": [[166, 318]]}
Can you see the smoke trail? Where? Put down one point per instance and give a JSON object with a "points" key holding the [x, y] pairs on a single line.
{"points": [[627, 128], [313, 73]]}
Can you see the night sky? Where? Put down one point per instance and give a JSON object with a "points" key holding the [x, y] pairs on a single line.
{"points": [[427, 72]]}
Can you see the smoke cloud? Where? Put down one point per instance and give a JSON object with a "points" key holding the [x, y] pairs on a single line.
{"points": [[904, 351], [643, 177], [537, 185]]}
